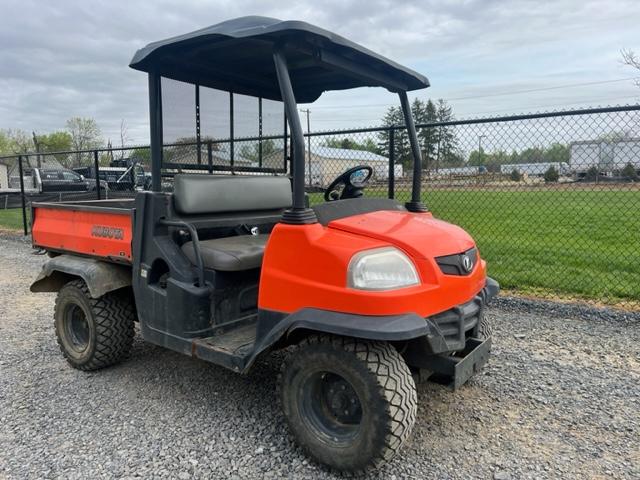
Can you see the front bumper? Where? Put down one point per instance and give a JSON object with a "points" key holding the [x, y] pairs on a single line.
{"points": [[452, 348], [450, 329], [459, 368]]}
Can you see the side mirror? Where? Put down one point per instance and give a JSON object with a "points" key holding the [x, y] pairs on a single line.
{"points": [[82, 177]]}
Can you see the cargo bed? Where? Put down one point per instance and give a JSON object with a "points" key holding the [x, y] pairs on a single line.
{"points": [[96, 228]]}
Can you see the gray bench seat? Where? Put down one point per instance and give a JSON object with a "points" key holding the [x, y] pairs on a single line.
{"points": [[230, 254], [224, 197]]}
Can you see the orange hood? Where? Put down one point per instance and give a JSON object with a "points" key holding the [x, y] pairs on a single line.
{"points": [[418, 234]]}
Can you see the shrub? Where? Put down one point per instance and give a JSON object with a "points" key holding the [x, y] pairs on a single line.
{"points": [[515, 176], [629, 172], [592, 174], [551, 175]]}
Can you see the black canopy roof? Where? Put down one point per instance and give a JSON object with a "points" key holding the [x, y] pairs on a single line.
{"points": [[237, 56]]}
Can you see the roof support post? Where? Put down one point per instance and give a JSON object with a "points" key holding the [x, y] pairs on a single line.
{"points": [[155, 124], [415, 205], [298, 214]]}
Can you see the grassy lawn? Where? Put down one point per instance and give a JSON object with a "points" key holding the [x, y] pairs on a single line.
{"points": [[572, 242], [11, 219], [577, 243]]}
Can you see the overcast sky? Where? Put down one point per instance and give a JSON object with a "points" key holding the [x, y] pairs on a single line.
{"points": [[70, 58]]}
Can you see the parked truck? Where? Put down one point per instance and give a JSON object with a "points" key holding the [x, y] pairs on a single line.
{"points": [[120, 175], [47, 180]]}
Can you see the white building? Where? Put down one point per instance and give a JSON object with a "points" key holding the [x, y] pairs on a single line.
{"points": [[604, 155], [328, 162]]}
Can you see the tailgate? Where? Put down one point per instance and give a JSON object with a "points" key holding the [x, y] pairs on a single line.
{"points": [[90, 229]]}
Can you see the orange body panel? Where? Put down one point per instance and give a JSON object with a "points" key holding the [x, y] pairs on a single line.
{"points": [[306, 266], [99, 234]]}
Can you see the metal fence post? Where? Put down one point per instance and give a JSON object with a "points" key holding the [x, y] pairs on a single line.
{"points": [[198, 140], [24, 206], [392, 164], [210, 156], [260, 132], [231, 133], [96, 166]]}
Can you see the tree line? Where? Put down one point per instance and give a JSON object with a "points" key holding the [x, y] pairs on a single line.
{"points": [[79, 134], [440, 144]]}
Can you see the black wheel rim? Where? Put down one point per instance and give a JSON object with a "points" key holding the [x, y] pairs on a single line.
{"points": [[331, 407], [76, 328]]}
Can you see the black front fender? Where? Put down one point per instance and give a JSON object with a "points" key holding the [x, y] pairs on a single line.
{"points": [[100, 277], [274, 326], [388, 328]]}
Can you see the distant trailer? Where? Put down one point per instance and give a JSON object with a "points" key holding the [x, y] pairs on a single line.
{"points": [[606, 156], [535, 169], [4, 177], [458, 171]]}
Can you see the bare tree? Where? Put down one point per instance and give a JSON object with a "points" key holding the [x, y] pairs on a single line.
{"points": [[124, 136], [631, 59], [21, 141], [85, 134]]}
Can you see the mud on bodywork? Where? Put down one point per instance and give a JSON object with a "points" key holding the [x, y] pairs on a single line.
{"points": [[100, 277]]}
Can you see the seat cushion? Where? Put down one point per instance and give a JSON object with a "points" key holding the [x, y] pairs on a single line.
{"points": [[212, 194], [230, 254]]}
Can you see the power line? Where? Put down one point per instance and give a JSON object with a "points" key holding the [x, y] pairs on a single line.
{"points": [[355, 119], [544, 89], [472, 97]]}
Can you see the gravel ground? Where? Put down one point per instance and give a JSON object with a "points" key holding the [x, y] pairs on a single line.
{"points": [[560, 398]]}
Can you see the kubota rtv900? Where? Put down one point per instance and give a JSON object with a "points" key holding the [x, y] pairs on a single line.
{"points": [[227, 268]]}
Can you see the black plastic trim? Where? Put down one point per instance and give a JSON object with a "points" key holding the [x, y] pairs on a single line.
{"points": [[329, 211], [299, 216], [416, 207], [453, 264]]}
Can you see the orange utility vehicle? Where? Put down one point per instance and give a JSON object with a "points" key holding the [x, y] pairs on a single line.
{"points": [[366, 292]]}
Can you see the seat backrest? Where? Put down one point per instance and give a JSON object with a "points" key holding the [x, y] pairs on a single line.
{"points": [[200, 194]]}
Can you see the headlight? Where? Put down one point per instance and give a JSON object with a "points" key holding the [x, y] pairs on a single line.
{"points": [[381, 269]]}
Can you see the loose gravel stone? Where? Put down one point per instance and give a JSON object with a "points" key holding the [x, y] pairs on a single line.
{"points": [[560, 402]]}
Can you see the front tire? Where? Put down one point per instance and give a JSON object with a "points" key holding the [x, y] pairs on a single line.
{"points": [[93, 333], [350, 404], [485, 328]]}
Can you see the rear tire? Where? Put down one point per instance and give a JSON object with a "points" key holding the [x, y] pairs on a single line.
{"points": [[93, 333], [350, 404]]}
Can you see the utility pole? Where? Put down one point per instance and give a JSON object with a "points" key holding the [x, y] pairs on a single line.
{"points": [[37, 145], [480, 154], [308, 112]]}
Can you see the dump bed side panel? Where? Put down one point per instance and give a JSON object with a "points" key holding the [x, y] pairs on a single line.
{"points": [[106, 234]]}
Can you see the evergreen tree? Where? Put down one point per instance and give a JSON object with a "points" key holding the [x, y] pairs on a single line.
{"points": [[438, 145], [447, 141], [402, 151], [427, 113]]}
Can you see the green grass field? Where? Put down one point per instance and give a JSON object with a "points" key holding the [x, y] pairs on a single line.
{"points": [[562, 242], [566, 243], [11, 219]]}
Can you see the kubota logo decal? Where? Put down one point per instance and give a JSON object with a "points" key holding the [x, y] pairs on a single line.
{"points": [[107, 232], [467, 263]]}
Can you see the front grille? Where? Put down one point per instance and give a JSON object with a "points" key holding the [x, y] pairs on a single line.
{"points": [[456, 322], [454, 264]]}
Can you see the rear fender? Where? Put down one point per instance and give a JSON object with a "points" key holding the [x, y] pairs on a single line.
{"points": [[100, 277]]}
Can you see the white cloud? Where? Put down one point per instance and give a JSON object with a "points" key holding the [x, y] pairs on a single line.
{"points": [[69, 58]]}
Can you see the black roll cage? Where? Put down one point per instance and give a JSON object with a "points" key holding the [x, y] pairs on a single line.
{"points": [[300, 54]]}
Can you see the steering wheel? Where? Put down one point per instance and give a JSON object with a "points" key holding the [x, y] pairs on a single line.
{"points": [[353, 181]]}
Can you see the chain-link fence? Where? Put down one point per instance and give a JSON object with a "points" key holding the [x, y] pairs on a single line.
{"points": [[553, 200]]}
